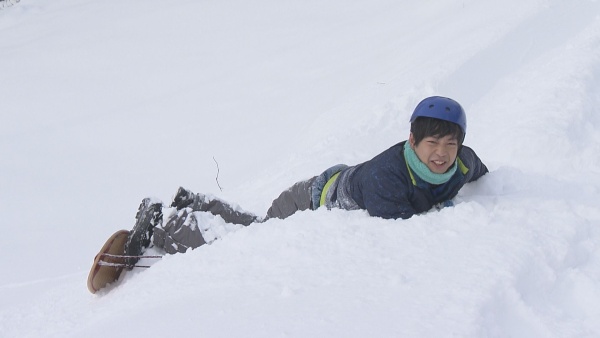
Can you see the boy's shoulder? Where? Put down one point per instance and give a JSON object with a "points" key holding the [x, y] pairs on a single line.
{"points": [[467, 154], [472, 162]]}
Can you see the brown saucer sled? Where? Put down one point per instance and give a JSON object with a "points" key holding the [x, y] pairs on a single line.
{"points": [[102, 273]]}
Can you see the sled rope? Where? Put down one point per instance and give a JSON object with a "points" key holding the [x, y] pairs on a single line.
{"points": [[121, 265], [127, 256]]}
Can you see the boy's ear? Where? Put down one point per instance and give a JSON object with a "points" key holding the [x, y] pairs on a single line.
{"points": [[411, 140]]}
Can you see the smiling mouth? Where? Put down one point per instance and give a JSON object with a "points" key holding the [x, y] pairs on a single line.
{"points": [[439, 162]]}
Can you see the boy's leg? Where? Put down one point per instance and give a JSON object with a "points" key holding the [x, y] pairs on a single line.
{"points": [[297, 198], [199, 202], [180, 232], [182, 229]]}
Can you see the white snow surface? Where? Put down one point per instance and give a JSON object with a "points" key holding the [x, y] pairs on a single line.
{"points": [[104, 103]]}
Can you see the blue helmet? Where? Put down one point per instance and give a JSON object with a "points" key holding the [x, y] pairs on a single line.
{"points": [[442, 108]]}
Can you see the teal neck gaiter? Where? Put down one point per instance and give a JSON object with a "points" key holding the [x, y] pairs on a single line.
{"points": [[423, 171]]}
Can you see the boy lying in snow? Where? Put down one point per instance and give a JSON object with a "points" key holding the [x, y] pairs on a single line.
{"points": [[409, 178]]}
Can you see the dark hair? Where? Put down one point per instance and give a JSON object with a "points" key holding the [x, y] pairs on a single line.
{"points": [[423, 127]]}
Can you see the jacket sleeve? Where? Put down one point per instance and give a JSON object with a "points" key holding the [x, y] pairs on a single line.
{"points": [[387, 198]]}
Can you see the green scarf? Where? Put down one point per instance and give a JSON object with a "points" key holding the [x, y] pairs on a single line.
{"points": [[423, 171]]}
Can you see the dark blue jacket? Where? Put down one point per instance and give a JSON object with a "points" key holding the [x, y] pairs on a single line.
{"points": [[386, 187]]}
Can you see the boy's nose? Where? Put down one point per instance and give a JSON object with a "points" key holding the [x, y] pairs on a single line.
{"points": [[441, 151]]}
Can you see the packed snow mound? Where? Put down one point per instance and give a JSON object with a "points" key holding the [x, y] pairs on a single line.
{"points": [[109, 103]]}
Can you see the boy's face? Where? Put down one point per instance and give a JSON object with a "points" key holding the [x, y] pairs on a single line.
{"points": [[438, 154]]}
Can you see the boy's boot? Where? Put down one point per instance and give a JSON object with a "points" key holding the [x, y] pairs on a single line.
{"points": [[187, 199], [148, 216]]}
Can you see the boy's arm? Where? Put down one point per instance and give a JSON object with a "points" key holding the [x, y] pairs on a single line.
{"points": [[387, 199]]}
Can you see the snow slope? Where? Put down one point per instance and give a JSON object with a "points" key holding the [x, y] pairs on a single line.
{"points": [[105, 103]]}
